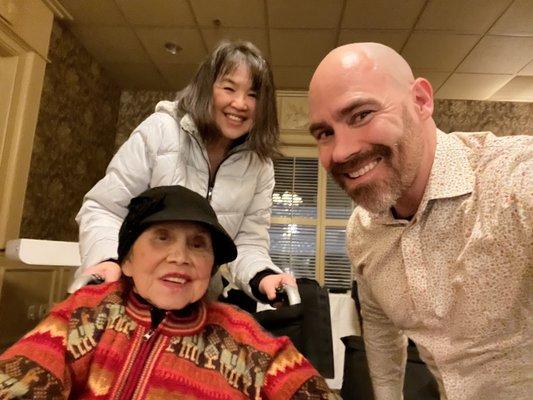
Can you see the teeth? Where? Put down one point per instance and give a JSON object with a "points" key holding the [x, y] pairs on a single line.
{"points": [[363, 170], [235, 117], [175, 279]]}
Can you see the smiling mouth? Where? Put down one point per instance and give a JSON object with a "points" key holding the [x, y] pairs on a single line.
{"points": [[364, 170], [234, 117], [177, 279]]}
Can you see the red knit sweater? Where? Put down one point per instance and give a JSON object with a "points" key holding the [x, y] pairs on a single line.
{"points": [[100, 344]]}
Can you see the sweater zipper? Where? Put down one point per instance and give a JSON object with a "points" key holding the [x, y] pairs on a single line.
{"points": [[149, 334], [132, 380]]}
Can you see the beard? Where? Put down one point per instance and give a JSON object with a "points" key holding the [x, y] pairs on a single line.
{"points": [[401, 162]]}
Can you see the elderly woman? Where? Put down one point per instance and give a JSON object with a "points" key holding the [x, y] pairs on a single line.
{"points": [[151, 335]]}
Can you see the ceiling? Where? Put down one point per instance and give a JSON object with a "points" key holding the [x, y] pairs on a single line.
{"points": [[468, 49]]}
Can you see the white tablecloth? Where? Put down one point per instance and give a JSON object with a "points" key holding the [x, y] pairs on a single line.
{"points": [[344, 322]]}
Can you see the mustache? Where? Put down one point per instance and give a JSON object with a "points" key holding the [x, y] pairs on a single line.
{"points": [[357, 160]]}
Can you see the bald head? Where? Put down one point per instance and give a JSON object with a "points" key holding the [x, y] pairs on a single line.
{"points": [[366, 59]]}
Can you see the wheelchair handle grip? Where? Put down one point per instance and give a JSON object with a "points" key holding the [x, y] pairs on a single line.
{"points": [[292, 294]]}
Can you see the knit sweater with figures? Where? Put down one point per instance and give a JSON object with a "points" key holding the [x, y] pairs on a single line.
{"points": [[102, 343]]}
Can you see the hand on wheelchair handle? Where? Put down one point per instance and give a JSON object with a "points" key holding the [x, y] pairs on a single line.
{"points": [[287, 294], [84, 280], [292, 294]]}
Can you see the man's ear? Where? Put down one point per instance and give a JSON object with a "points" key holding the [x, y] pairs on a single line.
{"points": [[423, 98]]}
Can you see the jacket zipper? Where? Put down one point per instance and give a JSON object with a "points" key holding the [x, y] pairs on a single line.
{"points": [[132, 380], [211, 181]]}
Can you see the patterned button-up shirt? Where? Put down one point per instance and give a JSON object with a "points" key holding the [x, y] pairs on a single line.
{"points": [[457, 278]]}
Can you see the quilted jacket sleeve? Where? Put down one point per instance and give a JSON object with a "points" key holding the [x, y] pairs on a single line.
{"points": [[253, 240], [128, 174]]}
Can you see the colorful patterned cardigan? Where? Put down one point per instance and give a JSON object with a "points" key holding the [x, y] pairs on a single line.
{"points": [[100, 344]]}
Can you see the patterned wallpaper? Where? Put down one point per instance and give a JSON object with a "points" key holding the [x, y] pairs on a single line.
{"points": [[502, 118], [135, 106], [74, 139]]}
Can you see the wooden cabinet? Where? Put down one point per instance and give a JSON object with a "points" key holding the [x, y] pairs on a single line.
{"points": [[26, 294]]}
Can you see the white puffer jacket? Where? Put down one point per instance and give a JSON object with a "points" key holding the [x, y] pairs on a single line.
{"points": [[166, 150]]}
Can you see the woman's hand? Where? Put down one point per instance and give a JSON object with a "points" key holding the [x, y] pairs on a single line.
{"points": [[109, 270], [270, 283]]}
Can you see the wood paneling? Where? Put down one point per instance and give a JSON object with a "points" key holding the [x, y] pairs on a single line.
{"points": [[27, 293]]}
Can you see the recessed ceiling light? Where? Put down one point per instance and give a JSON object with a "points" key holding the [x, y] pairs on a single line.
{"points": [[172, 48]]}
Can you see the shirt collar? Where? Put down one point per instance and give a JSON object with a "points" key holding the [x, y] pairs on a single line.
{"points": [[451, 174]]}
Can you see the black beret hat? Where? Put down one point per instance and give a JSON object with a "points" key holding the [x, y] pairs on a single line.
{"points": [[173, 203]]}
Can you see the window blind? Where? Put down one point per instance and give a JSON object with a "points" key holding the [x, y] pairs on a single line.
{"points": [[297, 221], [337, 265], [295, 193], [293, 246]]}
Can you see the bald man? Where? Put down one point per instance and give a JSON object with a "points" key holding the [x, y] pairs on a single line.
{"points": [[441, 238]]}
